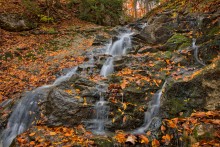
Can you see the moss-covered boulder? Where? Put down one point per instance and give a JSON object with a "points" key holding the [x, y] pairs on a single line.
{"points": [[201, 92], [178, 41]]}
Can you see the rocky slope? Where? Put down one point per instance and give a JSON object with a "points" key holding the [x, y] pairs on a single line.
{"points": [[176, 46]]}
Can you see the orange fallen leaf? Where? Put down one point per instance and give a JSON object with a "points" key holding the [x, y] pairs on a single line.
{"points": [[32, 134], [155, 143], [144, 139], [166, 139], [171, 124], [53, 133], [32, 143], [162, 128], [148, 133], [120, 137]]}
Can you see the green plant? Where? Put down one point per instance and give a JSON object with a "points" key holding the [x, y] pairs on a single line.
{"points": [[101, 11], [44, 18], [32, 7]]}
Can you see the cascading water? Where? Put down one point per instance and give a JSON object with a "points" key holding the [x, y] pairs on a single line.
{"points": [[97, 125], [91, 62], [196, 48], [116, 48], [26, 111], [152, 111], [65, 77], [107, 67], [102, 112], [120, 46]]}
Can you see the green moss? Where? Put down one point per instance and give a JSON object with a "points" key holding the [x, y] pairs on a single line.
{"points": [[185, 45], [103, 142], [175, 106], [177, 41], [214, 31], [167, 55]]}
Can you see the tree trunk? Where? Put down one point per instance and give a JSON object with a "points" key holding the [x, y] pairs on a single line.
{"points": [[147, 5]]}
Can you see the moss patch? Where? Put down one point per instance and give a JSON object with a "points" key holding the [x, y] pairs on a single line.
{"points": [[177, 41]]}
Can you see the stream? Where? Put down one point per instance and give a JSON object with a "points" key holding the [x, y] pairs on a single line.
{"points": [[26, 112]]}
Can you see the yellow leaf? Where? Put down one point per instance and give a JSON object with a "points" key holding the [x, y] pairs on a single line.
{"points": [[124, 106], [53, 133]]}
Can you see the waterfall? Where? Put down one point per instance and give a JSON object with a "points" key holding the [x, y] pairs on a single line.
{"points": [[107, 67], [26, 111], [102, 112], [152, 111], [120, 46], [97, 124], [116, 48], [65, 77], [196, 48]]}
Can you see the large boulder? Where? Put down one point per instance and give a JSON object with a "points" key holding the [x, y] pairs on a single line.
{"points": [[70, 103], [199, 93], [15, 23]]}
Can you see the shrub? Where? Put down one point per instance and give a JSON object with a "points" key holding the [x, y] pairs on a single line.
{"points": [[104, 12], [32, 7]]}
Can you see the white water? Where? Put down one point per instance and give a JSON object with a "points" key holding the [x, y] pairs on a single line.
{"points": [[26, 111], [196, 50], [116, 48], [102, 112], [152, 111], [120, 46], [97, 125], [65, 77], [107, 67]]}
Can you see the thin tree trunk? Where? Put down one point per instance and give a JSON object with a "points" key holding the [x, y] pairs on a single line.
{"points": [[147, 5], [135, 8]]}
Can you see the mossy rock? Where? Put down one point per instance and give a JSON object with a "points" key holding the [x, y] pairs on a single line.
{"points": [[214, 31], [177, 41], [199, 93]]}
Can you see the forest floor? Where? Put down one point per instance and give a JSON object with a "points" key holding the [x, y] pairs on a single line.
{"points": [[33, 58]]}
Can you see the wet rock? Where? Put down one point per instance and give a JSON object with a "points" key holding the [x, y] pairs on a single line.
{"points": [[204, 131], [209, 50], [15, 23], [100, 40], [63, 109], [70, 103], [5, 111], [201, 92]]}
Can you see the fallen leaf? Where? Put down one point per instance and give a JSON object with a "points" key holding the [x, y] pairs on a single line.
{"points": [[144, 139], [162, 128], [53, 133], [32, 143], [155, 143], [166, 139], [131, 139], [32, 134]]}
